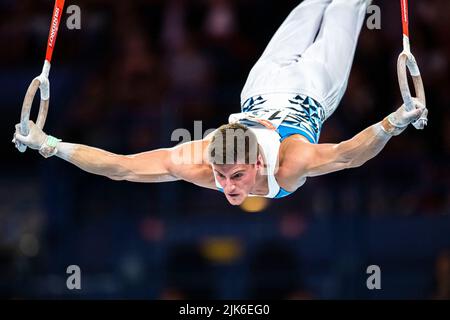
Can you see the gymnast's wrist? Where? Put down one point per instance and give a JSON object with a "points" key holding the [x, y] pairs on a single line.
{"points": [[390, 128], [49, 147]]}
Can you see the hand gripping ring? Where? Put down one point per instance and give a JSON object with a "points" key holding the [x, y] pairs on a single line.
{"points": [[42, 83], [407, 61]]}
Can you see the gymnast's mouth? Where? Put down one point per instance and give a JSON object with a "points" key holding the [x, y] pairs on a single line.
{"points": [[233, 195]]}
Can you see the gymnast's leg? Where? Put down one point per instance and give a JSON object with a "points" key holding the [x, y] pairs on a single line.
{"points": [[336, 44]]}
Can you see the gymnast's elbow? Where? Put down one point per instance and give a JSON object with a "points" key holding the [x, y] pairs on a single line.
{"points": [[117, 177], [118, 173], [350, 159], [148, 177], [355, 162]]}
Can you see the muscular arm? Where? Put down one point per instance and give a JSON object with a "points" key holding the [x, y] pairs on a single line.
{"points": [[187, 161], [163, 165], [152, 166], [302, 159], [326, 158]]}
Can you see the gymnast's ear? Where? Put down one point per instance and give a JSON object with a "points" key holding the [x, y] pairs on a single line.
{"points": [[259, 161]]}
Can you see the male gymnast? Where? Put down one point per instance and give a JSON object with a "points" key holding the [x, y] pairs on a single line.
{"points": [[271, 147]]}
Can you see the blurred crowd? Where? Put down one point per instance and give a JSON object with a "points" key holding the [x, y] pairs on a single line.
{"points": [[138, 70]]}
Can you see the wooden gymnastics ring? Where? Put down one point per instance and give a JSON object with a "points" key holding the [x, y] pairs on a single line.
{"points": [[41, 81], [42, 84], [405, 61]]}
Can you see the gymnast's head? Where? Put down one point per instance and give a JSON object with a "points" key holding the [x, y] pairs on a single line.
{"points": [[236, 160]]}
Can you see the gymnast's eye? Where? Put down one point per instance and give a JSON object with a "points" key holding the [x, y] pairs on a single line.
{"points": [[237, 176]]}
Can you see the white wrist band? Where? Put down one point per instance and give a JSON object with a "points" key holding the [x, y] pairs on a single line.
{"points": [[48, 148]]}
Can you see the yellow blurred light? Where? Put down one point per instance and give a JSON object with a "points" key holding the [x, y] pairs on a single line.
{"points": [[254, 204], [223, 250]]}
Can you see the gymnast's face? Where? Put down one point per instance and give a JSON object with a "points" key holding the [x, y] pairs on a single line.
{"points": [[237, 180]]}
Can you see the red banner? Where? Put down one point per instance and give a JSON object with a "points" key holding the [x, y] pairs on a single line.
{"points": [[54, 26], [405, 20]]}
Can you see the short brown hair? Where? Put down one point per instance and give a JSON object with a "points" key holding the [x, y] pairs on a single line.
{"points": [[233, 143]]}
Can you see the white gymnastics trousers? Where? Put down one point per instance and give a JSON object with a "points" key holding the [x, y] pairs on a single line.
{"points": [[311, 53]]}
